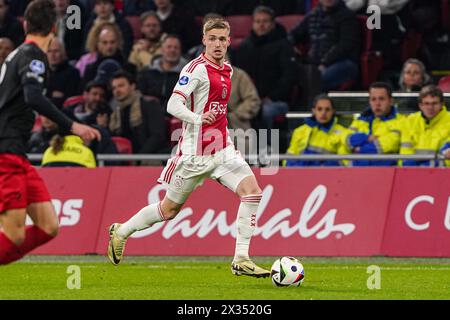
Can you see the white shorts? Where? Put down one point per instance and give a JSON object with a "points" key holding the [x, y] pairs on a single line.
{"points": [[185, 173]]}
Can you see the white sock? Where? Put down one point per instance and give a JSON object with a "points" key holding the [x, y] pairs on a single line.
{"points": [[246, 224], [144, 219]]}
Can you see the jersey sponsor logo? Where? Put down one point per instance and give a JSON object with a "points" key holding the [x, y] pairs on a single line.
{"points": [[37, 66], [32, 75], [218, 108], [183, 80]]}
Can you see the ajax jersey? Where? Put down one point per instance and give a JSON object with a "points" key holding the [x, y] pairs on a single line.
{"points": [[206, 86]]}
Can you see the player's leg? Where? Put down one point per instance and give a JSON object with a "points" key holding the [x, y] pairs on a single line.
{"points": [[243, 182], [13, 201], [148, 216], [12, 234], [143, 219], [167, 209], [45, 226], [31, 198]]}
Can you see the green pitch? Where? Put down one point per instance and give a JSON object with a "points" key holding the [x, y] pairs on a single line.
{"points": [[210, 279]]}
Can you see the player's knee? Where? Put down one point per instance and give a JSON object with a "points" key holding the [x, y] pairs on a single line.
{"points": [[171, 213], [52, 229], [17, 237]]}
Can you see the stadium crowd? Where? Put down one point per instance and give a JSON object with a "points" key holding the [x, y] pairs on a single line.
{"points": [[118, 71]]}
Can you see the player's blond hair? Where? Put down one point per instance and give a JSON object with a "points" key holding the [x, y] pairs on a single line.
{"points": [[215, 23]]}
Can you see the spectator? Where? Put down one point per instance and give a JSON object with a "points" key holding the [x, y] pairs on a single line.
{"points": [[377, 130], [413, 76], [109, 46], [244, 103], [158, 80], [64, 80], [106, 69], [104, 12], [321, 134], [279, 7], [70, 37], [93, 109], [137, 7], [40, 140], [268, 58], [68, 151], [10, 27], [332, 33], [243, 107], [179, 21], [6, 47], [145, 49], [428, 130], [388, 39], [17, 7], [134, 118], [93, 45]]}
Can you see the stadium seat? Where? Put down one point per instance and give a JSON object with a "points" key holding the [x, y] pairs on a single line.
{"points": [[241, 26], [135, 23], [289, 21], [411, 45], [123, 145], [73, 100], [371, 62], [444, 84]]}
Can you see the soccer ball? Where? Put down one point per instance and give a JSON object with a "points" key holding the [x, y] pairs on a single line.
{"points": [[287, 272]]}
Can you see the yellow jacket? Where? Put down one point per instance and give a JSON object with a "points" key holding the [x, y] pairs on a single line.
{"points": [[420, 136], [387, 129], [313, 138], [73, 153]]}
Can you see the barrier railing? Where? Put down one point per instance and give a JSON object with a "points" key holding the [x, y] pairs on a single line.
{"points": [[264, 159]]}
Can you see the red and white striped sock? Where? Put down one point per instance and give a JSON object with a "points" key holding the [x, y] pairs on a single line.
{"points": [[246, 225], [145, 218]]}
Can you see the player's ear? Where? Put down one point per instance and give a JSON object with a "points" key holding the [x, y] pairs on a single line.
{"points": [[204, 40], [25, 26]]}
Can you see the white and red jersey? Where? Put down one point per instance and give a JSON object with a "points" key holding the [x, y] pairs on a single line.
{"points": [[206, 86]]}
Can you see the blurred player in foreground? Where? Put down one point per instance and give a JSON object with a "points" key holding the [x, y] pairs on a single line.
{"points": [[22, 191], [205, 150]]}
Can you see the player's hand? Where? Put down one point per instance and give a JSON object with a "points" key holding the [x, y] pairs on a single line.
{"points": [[208, 117], [85, 132], [372, 138], [446, 153]]}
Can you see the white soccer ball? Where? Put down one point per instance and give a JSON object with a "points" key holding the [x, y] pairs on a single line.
{"points": [[287, 272]]}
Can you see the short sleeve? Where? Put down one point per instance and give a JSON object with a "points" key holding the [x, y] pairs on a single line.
{"points": [[32, 70], [190, 78]]}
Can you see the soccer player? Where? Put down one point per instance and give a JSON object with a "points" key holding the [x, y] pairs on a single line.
{"points": [[22, 191], [205, 149]]}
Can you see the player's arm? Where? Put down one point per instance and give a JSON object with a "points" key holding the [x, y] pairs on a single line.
{"points": [[176, 105], [32, 83]]}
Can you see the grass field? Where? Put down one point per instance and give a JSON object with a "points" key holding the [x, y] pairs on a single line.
{"points": [[190, 278]]}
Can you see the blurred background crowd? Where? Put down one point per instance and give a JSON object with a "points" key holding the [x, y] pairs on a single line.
{"points": [[118, 71]]}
